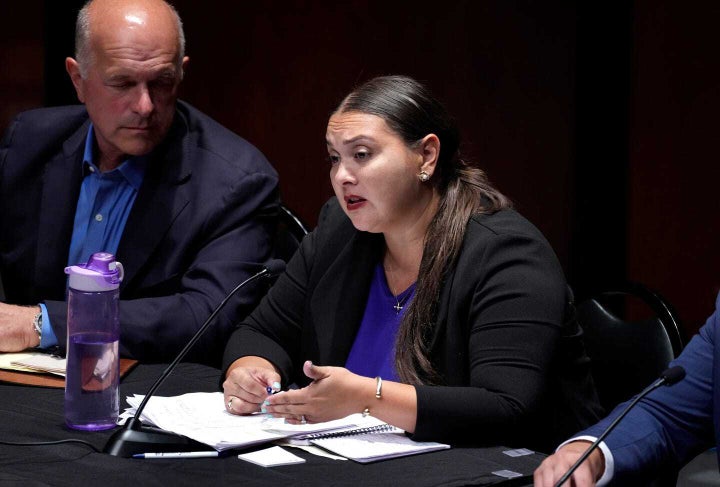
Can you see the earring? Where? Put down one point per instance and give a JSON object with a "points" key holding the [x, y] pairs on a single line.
{"points": [[423, 176]]}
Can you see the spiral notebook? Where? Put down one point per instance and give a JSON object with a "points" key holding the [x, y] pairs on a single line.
{"points": [[372, 443]]}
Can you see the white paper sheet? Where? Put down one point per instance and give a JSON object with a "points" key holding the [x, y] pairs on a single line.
{"points": [[271, 457]]}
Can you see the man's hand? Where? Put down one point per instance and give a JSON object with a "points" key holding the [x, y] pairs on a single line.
{"points": [[555, 466], [17, 332]]}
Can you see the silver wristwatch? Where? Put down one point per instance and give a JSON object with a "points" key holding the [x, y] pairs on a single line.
{"points": [[37, 324]]}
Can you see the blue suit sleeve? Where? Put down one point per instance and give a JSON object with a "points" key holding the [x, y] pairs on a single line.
{"points": [[672, 424]]}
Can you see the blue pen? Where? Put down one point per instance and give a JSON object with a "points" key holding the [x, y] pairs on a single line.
{"points": [[274, 389]]}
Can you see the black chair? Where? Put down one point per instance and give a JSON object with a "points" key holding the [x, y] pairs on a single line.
{"points": [[290, 232], [628, 355]]}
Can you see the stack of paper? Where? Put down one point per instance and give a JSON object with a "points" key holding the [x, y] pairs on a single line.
{"points": [[271, 457], [33, 362], [202, 417]]}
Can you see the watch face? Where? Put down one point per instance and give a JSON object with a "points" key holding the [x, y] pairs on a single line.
{"points": [[38, 323]]}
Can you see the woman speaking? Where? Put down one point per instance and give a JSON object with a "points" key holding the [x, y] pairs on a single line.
{"points": [[421, 298]]}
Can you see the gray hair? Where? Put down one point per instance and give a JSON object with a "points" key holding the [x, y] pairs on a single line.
{"points": [[83, 53]]}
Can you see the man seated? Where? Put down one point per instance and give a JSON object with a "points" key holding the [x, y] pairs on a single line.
{"points": [[187, 207], [665, 430]]}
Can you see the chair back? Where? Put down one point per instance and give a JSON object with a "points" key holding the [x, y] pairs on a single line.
{"points": [[290, 232], [628, 355]]}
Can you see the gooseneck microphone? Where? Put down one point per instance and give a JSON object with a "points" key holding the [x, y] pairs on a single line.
{"points": [[138, 438], [669, 377]]}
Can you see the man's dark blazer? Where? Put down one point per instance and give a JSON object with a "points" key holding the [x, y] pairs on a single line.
{"points": [[203, 218], [511, 372], [673, 424]]}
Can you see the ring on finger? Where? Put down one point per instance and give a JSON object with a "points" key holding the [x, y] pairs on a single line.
{"points": [[229, 403], [302, 419]]}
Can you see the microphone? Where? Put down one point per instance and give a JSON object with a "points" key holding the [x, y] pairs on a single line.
{"points": [[668, 377], [138, 438]]}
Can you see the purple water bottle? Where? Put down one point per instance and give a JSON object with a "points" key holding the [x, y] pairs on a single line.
{"points": [[93, 334]]}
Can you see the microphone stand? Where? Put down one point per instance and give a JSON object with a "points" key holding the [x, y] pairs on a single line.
{"points": [[669, 377], [135, 437]]}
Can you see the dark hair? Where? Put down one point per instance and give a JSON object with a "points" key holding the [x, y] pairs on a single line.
{"points": [[412, 112]]}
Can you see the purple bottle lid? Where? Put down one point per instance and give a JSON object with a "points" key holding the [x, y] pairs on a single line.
{"points": [[101, 273]]}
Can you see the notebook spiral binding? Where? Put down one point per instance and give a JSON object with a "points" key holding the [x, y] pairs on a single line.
{"points": [[380, 428]]}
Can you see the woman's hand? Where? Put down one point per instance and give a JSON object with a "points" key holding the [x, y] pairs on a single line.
{"points": [[246, 383], [334, 393], [555, 466]]}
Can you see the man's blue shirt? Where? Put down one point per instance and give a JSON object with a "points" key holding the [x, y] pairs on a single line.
{"points": [[102, 211]]}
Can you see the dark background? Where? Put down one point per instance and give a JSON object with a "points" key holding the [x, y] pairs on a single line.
{"points": [[597, 118]]}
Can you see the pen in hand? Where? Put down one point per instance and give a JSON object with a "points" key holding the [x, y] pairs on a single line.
{"points": [[271, 390], [274, 389]]}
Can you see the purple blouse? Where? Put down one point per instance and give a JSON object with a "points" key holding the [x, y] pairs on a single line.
{"points": [[373, 352]]}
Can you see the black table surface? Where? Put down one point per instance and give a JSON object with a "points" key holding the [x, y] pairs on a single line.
{"points": [[36, 414]]}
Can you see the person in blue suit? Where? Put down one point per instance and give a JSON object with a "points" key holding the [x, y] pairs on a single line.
{"points": [[665, 430], [188, 207]]}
